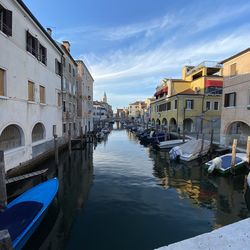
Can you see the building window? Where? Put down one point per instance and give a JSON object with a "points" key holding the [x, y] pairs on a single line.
{"points": [[64, 106], [59, 99], [42, 56], [10, 138], [31, 91], [58, 67], [2, 81], [64, 62], [74, 126], [42, 94], [38, 132], [168, 105], [64, 128], [208, 105], [216, 105], [175, 104], [35, 48], [162, 107], [69, 68], [230, 100], [74, 73], [5, 21], [233, 70], [189, 104]]}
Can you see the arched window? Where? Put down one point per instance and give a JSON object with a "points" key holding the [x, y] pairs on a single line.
{"points": [[38, 132], [11, 137]]}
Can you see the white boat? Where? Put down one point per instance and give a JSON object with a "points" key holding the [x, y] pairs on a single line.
{"points": [[170, 144], [223, 163], [190, 150]]}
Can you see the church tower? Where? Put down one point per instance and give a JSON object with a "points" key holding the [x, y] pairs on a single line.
{"points": [[105, 98]]}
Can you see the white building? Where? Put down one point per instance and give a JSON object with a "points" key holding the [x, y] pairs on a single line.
{"points": [[84, 97], [30, 85]]}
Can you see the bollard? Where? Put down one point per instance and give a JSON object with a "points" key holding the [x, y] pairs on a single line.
{"points": [[234, 147], [248, 150], [3, 192], [5, 240]]}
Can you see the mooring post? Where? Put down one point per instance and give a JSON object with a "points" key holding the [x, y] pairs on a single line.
{"points": [[86, 136], [183, 133], [234, 147], [5, 240], [211, 140], [3, 192], [55, 145], [248, 150], [202, 144], [69, 142]]}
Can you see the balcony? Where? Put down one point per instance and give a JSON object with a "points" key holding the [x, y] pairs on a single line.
{"points": [[205, 64]]}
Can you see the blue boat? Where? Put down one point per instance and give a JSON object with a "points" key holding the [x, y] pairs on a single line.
{"points": [[24, 214], [222, 164]]}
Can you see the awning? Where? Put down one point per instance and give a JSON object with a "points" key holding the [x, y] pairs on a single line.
{"points": [[214, 83]]}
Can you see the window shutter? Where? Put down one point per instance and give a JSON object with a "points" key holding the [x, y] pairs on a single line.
{"points": [[56, 66], [45, 56], [36, 47], [1, 82], [226, 100], [234, 95], [8, 22], [192, 104], [27, 40]]}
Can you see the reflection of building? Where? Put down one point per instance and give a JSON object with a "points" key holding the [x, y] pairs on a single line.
{"points": [[84, 97], [192, 102], [136, 110], [30, 85], [236, 98]]}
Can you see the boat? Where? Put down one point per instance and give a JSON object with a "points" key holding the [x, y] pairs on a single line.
{"points": [[23, 215], [190, 150], [223, 163], [169, 144]]}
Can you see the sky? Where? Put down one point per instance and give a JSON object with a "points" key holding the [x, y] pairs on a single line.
{"points": [[130, 45]]}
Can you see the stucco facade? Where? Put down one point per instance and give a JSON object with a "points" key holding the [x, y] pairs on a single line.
{"points": [[84, 97], [30, 87], [235, 117]]}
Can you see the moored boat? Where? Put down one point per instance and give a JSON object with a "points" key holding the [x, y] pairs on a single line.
{"points": [[169, 144], [24, 214], [223, 163]]}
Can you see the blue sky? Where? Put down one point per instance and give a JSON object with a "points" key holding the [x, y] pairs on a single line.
{"points": [[129, 46]]}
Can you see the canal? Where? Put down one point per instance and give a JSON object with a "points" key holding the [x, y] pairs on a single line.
{"points": [[118, 194]]}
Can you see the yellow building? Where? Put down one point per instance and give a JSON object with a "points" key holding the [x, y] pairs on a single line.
{"points": [[193, 102]]}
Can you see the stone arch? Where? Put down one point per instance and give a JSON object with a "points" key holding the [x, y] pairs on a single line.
{"points": [[188, 125], [158, 122], [153, 121], [11, 137], [38, 132], [237, 130], [172, 125]]}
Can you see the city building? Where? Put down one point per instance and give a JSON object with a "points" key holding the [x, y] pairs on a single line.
{"points": [[99, 112], [235, 116], [84, 97], [30, 85], [122, 113], [136, 110], [69, 95], [192, 103]]}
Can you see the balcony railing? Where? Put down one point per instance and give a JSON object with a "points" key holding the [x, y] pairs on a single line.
{"points": [[207, 64]]}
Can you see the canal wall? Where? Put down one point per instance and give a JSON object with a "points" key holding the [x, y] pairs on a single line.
{"points": [[233, 236]]}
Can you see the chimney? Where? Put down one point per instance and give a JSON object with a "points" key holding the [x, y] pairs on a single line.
{"points": [[66, 44], [49, 30]]}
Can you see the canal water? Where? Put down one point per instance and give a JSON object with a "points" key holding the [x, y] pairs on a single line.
{"points": [[118, 194]]}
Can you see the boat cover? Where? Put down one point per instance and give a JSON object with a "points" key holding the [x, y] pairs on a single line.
{"points": [[227, 159], [18, 217]]}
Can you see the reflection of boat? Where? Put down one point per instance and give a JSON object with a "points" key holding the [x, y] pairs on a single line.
{"points": [[190, 150], [223, 163], [24, 214], [169, 144]]}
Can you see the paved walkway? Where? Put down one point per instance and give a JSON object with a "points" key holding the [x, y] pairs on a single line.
{"points": [[234, 236]]}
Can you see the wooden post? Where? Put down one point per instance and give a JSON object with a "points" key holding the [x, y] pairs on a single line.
{"points": [[166, 133], [248, 150], [86, 133], [202, 144], [55, 145], [69, 142], [211, 140], [183, 133], [5, 240], [3, 192], [234, 147]]}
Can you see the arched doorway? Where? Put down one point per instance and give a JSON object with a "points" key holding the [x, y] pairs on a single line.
{"points": [[238, 130], [11, 137], [172, 125], [188, 125], [153, 122], [158, 122], [38, 132]]}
